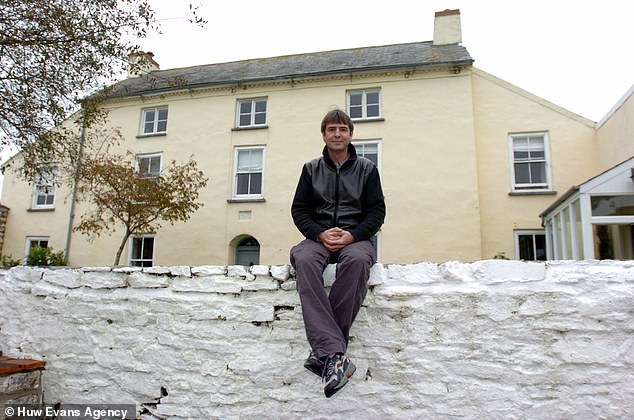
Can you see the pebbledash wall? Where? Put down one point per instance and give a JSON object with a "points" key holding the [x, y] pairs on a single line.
{"points": [[488, 339]]}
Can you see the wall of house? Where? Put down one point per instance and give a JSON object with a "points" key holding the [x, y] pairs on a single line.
{"points": [[427, 166], [444, 161], [501, 109], [614, 133], [24, 221], [487, 339]]}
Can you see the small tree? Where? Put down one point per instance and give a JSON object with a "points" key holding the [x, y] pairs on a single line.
{"points": [[121, 195], [52, 54]]}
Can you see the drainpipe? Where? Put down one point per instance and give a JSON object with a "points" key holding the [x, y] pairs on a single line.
{"points": [[71, 215]]}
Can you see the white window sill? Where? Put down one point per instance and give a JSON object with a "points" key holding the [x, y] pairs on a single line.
{"points": [[246, 200], [142, 136], [250, 127], [364, 120], [532, 192], [37, 209]]}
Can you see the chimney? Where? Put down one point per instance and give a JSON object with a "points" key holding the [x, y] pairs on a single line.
{"points": [[447, 27], [140, 63]]}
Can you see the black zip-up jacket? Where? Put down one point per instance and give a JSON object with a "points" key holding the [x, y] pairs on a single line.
{"points": [[350, 198]]}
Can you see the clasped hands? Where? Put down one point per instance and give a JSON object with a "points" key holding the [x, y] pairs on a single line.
{"points": [[335, 239]]}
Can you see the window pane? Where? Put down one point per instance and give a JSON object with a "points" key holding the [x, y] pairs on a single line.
{"points": [[148, 248], [149, 127], [260, 119], [520, 143], [355, 112], [250, 160], [526, 247], [149, 116], [242, 181], [144, 165], [521, 173], [245, 120], [162, 114], [540, 247], [520, 156], [373, 110], [355, 99], [612, 205], [373, 98], [136, 248], [537, 154], [260, 106], [161, 126], [256, 183], [155, 165], [536, 141], [538, 173], [245, 107]]}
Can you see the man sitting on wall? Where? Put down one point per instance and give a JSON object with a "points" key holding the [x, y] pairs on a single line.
{"points": [[338, 206]]}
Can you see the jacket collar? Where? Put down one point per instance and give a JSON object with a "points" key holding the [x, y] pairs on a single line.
{"points": [[352, 151]]}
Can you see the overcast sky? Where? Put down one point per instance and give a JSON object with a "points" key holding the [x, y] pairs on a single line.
{"points": [[577, 54]]}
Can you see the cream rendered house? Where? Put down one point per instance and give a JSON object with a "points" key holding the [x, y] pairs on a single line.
{"points": [[468, 161]]}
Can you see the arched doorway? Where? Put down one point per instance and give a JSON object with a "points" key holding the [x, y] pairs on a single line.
{"points": [[247, 251]]}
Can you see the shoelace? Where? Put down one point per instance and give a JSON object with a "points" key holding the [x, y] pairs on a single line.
{"points": [[329, 368]]}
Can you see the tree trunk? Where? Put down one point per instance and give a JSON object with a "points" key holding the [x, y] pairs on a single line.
{"points": [[117, 257]]}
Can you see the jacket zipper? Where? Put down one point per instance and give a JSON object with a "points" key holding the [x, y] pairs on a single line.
{"points": [[335, 214]]}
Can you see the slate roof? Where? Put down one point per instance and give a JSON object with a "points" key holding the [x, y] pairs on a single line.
{"points": [[418, 55]]}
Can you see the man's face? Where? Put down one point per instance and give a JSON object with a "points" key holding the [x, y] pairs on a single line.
{"points": [[337, 137]]}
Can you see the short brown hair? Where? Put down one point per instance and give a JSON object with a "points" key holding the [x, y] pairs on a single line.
{"points": [[336, 116]]}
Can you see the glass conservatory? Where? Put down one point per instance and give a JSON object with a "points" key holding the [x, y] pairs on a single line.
{"points": [[594, 220]]}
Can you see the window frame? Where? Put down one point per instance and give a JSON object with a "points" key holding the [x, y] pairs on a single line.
{"points": [[364, 103], [131, 261], [149, 156], [50, 185], [155, 131], [252, 114], [247, 196], [529, 232], [30, 243], [532, 187]]}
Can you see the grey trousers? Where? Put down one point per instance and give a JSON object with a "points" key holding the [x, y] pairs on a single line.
{"points": [[328, 317]]}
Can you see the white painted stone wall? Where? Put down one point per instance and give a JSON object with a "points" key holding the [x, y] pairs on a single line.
{"points": [[486, 340]]}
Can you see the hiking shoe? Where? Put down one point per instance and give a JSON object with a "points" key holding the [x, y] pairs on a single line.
{"points": [[314, 364], [337, 369]]}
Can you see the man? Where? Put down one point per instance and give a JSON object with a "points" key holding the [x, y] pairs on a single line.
{"points": [[338, 206]]}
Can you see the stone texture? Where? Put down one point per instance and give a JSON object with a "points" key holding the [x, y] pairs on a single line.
{"points": [[142, 279], [102, 279], [489, 339], [63, 277], [209, 270], [209, 284]]}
